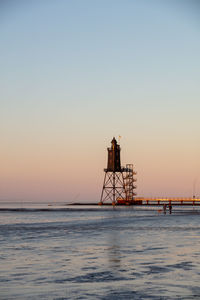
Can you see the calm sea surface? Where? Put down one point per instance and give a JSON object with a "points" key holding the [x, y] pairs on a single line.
{"points": [[59, 252]]}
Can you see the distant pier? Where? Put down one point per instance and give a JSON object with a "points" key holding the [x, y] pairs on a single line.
{"points": [[147, 201], [167, 201]]}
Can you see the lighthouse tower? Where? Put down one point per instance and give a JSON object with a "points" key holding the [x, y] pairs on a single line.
{"points": [[114, 182]]}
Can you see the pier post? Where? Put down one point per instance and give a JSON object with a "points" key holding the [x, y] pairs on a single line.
{"points": [[170, 207]]}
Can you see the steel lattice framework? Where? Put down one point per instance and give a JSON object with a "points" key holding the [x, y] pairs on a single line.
{"points": [[113, 187]]}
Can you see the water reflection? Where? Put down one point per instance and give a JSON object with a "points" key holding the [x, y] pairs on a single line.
{"points": [[114, 249], [114, 252]]}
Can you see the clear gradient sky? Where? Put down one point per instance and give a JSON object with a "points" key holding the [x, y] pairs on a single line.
{"points": [[73, 74]]}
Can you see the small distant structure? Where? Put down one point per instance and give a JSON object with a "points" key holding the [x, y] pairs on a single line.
{"points": [[118, 186]]}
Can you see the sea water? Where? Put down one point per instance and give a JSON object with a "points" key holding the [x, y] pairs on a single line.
{"points": [[71, 252]]}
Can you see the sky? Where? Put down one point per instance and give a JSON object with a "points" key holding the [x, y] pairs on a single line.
{"points": [[73, 74]]}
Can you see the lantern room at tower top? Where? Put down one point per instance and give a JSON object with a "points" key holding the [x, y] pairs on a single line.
{"points": [[114, 163], [118, 181]]}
